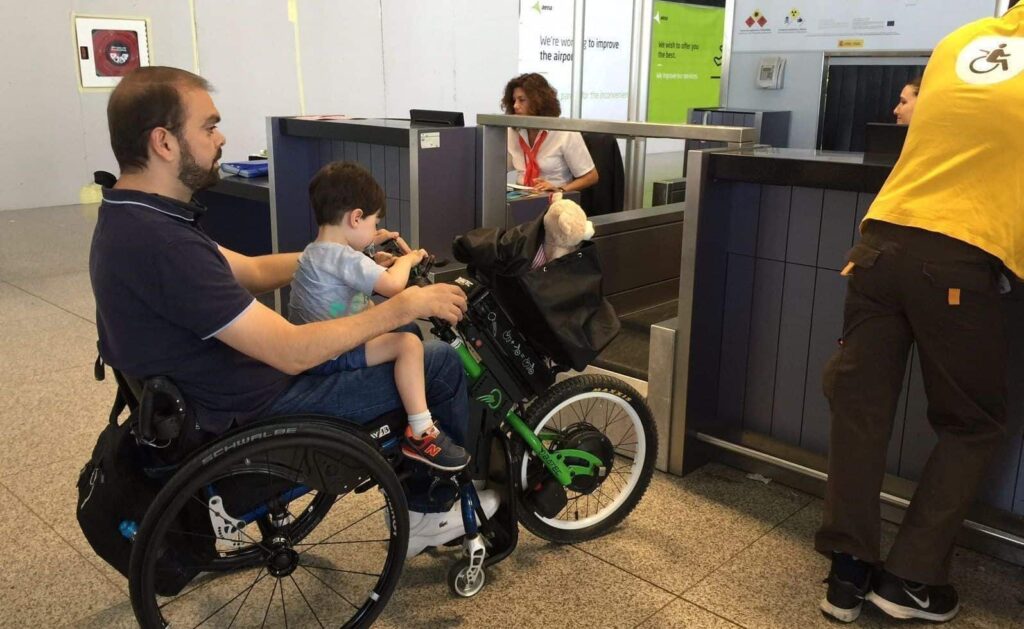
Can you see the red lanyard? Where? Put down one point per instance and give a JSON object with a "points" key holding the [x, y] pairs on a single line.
{"points": [[532, 169]]}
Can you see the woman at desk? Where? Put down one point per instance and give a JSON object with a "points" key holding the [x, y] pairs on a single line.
{"points": [[544, 160], [908, 98]]}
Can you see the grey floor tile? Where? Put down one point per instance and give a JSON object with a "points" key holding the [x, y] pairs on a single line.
{"points": [[71, 292], [684, 528], [45, 583], [17, 304], [684, 615], [52, 417], [41, 242], [46, 343], [776, 582], [50, 492], [116, 617], [540, 585]]}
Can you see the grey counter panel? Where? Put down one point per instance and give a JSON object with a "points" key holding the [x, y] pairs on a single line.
{"points": [[781, 314], [794, 341]]}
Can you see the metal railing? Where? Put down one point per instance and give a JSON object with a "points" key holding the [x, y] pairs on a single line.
{"points": [[495, 147]]}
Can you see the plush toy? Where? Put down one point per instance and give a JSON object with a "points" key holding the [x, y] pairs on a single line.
{"points": [[565, 226]]}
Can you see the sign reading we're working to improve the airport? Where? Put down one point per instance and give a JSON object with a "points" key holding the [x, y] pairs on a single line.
{"points": [[876, 25]]}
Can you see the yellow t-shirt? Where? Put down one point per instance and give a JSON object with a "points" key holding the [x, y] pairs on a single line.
{"points": [[960, 173]]}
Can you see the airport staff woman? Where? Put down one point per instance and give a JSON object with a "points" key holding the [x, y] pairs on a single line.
{"points": [[545, 160], [908, 99]]}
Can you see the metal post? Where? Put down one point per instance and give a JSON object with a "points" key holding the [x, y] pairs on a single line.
{"points": [[639, 68], [579, 13]]}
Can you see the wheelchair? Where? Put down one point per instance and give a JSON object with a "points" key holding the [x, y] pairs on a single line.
{"points": [[303, 520]]}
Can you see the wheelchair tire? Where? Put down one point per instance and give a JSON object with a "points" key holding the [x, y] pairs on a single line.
{"points": [[334, 564], [586, 412]]}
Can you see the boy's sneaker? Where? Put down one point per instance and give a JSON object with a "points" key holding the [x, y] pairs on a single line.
{"points": [[435, 529], [435, 449], [849, 580], [905, 599]]}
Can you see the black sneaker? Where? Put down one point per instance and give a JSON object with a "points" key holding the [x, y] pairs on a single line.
{"points": [[905, 599], [435, 449], [845, 597]]}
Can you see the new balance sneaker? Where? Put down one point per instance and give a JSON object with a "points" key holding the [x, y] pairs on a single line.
{"points": [[435, 529], [905, 599], [849, 580], [434, 448]]}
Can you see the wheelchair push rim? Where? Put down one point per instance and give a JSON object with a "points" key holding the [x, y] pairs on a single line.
{"points": [[340, 573]]}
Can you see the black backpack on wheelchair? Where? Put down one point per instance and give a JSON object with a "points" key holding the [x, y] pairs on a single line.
{"points": [[122, 478]]}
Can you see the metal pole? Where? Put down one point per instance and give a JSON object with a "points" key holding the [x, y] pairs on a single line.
{"points": [[639, 68], [579, 12]]}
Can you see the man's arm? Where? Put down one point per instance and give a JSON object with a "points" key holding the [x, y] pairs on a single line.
{"points": [[260, 274], [261, 333]]}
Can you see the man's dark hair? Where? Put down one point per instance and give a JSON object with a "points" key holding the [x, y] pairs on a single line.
{"points": [[341, 187], [145, 99], [916, 84], [543, 97]]}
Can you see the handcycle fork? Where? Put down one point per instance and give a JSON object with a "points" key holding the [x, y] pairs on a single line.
{"points": [[473, 544]]}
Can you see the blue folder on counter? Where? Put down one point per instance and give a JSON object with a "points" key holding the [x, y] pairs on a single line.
{"points": [[252, 168]]}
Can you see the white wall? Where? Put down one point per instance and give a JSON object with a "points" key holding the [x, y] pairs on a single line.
{"points": [[800, 94], [359, 57]]}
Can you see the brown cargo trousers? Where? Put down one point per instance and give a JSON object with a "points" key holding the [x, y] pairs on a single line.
{"points": [[907, 286]]}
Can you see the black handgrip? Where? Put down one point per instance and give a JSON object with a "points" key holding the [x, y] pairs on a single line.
{"points": [[161, 410]]}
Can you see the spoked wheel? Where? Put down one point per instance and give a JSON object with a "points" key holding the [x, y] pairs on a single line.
{"points": [[607, 418], [294, 524]]}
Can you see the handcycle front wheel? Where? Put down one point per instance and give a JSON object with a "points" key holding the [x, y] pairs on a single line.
{"points": [[605, 417], [334, 561]]}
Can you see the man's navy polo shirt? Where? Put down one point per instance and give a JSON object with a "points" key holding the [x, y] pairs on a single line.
{"points": [[163, 291]]}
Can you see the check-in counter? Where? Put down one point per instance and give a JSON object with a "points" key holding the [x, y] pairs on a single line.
{"points": [[761, 308], [238, 214], [428, 173]]}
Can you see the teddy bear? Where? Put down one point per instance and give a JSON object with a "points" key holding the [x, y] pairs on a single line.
{"points": [[565, 227]]}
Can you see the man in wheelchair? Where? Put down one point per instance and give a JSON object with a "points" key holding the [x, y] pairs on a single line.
{"points": [[171, 302]]}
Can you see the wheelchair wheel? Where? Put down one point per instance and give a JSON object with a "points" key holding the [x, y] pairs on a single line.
{"points": [[605, 417], [294, 523]]}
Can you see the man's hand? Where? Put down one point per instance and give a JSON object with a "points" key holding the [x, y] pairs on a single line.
{"points": [[543, 186], [384, 235], [445, 301]]}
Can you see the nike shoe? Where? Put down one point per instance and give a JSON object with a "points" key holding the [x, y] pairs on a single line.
{"points": [[435, 529], [849, 580], [905, 599], [434, 448]]}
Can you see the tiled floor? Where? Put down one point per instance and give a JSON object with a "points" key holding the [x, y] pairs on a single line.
{"points": [[714, 549]]}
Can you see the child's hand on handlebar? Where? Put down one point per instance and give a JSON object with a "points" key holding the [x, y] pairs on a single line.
{"points": [[384, 259], [417, 256], [384, 235]]}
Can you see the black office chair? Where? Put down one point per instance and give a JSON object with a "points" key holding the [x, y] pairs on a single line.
{"points": [[608, 194]]}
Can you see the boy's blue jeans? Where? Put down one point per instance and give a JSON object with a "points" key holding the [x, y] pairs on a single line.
{"points": [[365, 394]]}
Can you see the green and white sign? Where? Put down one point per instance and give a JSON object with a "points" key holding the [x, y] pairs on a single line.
{"points": [[686, 60]]}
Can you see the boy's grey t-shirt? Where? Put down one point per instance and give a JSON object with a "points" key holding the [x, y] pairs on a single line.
{"points": [[332, 281]]}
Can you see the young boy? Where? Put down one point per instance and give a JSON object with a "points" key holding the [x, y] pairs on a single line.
{"points": [[335, 279]]}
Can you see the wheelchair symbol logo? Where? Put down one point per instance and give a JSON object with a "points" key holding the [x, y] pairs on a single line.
{"points": [[991, 60]]}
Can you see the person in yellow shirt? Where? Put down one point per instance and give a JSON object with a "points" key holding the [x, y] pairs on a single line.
{"points": [[935, 249]]}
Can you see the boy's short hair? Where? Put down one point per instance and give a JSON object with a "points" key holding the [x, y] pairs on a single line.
{"points": [[340, 187]]}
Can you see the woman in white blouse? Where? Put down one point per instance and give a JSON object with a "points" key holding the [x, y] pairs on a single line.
{"points": [[544, 160]]}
